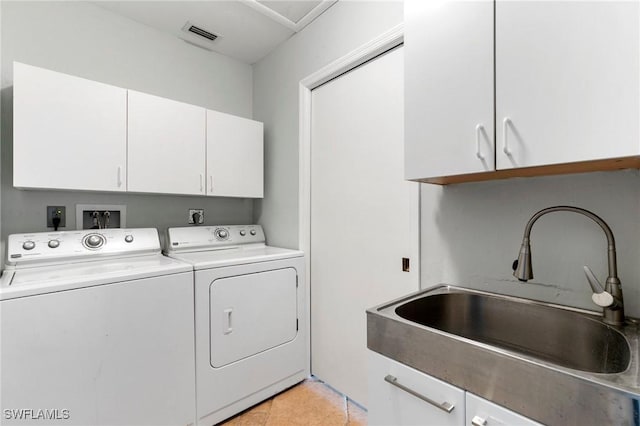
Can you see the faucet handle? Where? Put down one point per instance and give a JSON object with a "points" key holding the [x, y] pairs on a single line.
{"points": [[600, 297]]}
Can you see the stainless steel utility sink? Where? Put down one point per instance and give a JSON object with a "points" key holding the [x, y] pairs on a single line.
{"points": [[559, 336], [555, 364]]}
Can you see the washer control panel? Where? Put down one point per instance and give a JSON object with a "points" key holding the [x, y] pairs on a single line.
{"points": [[212, 237], [48, 247]]}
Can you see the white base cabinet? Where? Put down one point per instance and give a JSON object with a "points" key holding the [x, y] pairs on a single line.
{"points": [[402, 396], [480, 412], [389, 404]]}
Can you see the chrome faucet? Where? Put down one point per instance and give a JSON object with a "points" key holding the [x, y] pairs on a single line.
{"points": [[609, 297]]}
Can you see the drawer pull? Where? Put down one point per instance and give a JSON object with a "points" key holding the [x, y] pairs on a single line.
{"points": [[444, 406]]}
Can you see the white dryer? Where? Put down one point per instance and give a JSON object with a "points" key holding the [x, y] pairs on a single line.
{"points": [[96, 329], [250, 316]]}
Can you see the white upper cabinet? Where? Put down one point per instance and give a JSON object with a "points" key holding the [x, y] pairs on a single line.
{"points": [[68, 132], [234, 156], [77, 134], [449, 117], [567, 81], [166, 146]]}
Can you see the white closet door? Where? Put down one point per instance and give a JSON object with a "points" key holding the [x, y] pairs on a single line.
{"points": [[166, 150], [364, 216]]}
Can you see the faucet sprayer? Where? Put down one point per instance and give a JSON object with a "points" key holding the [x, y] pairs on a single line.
{"points": [[609, 297]]}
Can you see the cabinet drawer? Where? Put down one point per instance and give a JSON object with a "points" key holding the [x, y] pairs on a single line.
{"points": [[481, 412], [403, 402]]}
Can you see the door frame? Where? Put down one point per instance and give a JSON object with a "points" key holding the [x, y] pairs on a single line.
{"points": [[388, 40]]}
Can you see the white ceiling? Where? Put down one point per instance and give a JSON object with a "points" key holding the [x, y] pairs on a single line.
{"points": [[247, 30], [292, 10]]}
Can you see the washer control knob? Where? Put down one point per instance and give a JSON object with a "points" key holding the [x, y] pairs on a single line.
{"points": [[243, 233], [54, 243], [222, 234], [94, 241], [28, 245], [128, 238], [252, 232]]}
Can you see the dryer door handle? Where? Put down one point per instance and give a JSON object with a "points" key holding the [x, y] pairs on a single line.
{"points": [[227, 327]]}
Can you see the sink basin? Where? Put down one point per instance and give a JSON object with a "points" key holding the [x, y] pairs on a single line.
{"points": [[562, 337], [555, 364]]}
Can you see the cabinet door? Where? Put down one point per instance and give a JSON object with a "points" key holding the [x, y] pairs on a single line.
{"points": [[391, 405], [68, 132], [567, 81], [234, 156], [481, 412], [449, 90], [166, 149]]}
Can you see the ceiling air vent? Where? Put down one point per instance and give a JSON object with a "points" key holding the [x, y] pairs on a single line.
{"points": [[190, 28]]}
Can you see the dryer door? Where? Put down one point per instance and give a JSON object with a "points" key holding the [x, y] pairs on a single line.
{"points": [[251, 313]]}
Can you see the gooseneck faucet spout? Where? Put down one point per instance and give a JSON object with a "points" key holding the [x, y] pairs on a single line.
{"points": [[609, 297]]}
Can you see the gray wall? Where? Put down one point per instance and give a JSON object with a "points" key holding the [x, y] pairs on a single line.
{"points": [[470, 233], [344, 27], [82, 39]]}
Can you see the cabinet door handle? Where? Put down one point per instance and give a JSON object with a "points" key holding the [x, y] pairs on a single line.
{"points": [[478, 421], [201, 182], [119, 176], [444, 406], [210, 182], [479, 129], [505, 127]]}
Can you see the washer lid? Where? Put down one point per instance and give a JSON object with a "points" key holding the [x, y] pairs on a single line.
{"points": [[47, 279], [235, 256]]}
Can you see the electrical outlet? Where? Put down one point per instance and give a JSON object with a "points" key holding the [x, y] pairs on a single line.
{"points": [[196, 216], [56, 211]]}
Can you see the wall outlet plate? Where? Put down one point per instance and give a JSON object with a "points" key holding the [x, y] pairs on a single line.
{"points": [[53, 211], [196, 217]]}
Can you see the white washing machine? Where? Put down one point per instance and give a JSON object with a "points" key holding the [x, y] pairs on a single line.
{"points": [[96, 329], [250, 316]]}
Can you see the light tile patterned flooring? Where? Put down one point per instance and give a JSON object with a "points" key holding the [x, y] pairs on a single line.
{"points": [[310, 403]]}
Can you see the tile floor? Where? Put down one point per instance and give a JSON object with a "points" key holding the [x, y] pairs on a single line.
{"points": [[310, 403]]}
